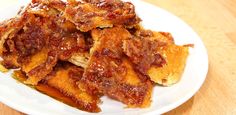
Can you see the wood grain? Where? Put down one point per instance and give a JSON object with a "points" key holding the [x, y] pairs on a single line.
{"points": [[215, 22]]}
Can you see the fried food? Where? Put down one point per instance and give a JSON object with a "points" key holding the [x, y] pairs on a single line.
{"points": [[143, 53], [8, 29], [97, 13], [78, 51], [175, 57], [79, 59], [155, 54], [65, 77], [61, 84], [171, 72], [110, 73], [41, 41]]}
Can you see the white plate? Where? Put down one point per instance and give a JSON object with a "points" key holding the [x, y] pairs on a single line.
{"points": [[27, 100]]}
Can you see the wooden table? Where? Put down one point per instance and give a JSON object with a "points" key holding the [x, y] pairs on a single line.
{"points": [[215, 22]]}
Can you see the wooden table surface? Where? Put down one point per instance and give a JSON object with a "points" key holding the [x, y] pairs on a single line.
{"points": [[215, 22]]}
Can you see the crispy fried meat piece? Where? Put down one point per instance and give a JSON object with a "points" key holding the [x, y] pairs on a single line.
{"points": [[61, 46], [155, 54], [9, 50], [65, 77], [52, 9], [103, 13], [44, 4], [110, 73], [9, 28], [42, 40], [171, 72], [80, 59], [143, 53]]}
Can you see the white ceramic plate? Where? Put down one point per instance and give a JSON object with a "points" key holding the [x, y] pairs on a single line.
{"points": [[27, 100]]}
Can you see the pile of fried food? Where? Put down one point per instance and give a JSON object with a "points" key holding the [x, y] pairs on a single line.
{"points": [[90, 48]]}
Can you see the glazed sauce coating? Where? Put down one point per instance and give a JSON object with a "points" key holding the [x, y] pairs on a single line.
{"points": [[57, 93], [143, 53], [89, 14], [110, 73]]}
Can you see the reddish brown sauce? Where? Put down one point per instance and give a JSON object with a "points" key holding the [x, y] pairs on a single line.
{"points": [[48, 90], [56, 94], [107, 70], [40, 33], [101, 14], [142, 52]]}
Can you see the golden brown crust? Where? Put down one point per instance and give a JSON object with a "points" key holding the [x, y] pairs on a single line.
{"points": [[43, 28], [9, 28], [143, 53], [155, 55], [10, 61], [108, 71], [80, 59], [8, 32], [171, 72], [90, 15], [44, 4], [64, 77]]}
